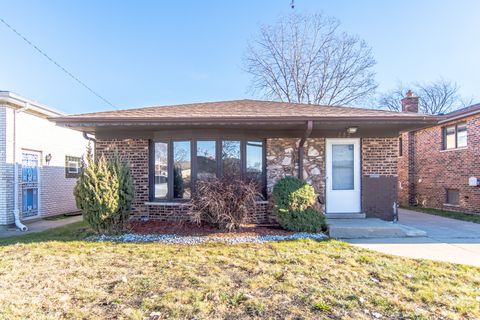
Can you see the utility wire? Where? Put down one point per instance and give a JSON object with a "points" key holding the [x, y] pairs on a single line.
{"points": [[58, 65]]}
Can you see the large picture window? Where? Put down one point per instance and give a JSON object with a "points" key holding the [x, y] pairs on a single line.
{"points": [[176, 165]]}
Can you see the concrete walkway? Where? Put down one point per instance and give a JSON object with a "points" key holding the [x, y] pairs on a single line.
{"points": [[447, 239], [39, 225]]}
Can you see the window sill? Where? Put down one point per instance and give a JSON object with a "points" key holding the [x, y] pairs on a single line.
{"points": [[167, 203], [454, 149], [451, 205], [183, 203]]}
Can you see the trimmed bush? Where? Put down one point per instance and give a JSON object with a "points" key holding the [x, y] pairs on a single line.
{"points": [[307, 220], [291, 193], [104, 193], [293, 201]]}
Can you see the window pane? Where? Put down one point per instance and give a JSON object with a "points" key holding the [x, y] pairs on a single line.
{"points": [[342, 166], [206, 161], [452, 196], [450, 137], [461, 135], [181, 170], [161, 169], [231, 157], [255, 163]]}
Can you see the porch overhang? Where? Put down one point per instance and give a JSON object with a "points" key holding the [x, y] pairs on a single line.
{"points": [[271, 127]]}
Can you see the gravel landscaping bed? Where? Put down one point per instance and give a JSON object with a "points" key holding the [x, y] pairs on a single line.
{"points": [[189, 240]]}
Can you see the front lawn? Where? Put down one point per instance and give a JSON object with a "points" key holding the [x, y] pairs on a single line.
{"points": [[55, 275], [449, 214]]}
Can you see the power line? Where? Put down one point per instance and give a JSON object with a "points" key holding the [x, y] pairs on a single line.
{"points": [[58, 65]]}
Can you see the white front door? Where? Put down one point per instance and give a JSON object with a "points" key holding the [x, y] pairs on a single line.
{"points": [[343, 176]]}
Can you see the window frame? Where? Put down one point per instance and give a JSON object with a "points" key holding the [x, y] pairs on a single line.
{"points": [[447, 198], [72, 159], [194, 165], [455, 126], [400, 147]]}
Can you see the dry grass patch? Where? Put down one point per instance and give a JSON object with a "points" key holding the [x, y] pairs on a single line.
{"points": [[49, 279]]}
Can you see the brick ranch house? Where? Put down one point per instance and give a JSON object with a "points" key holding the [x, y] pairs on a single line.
{"points": [[348, 154], [436, 163], [39, 161]]}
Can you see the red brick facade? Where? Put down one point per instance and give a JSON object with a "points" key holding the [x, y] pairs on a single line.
{"points": [[379, 176], [136, 152], [426, 171]]}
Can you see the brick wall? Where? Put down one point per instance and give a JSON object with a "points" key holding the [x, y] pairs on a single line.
{"points": [[379, 176], [136, 152], [433, 170]]}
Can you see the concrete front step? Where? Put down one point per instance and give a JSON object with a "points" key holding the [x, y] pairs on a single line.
{"points": [[370, 228], [345, 215]]}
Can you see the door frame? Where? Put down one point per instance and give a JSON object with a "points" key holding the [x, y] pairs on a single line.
{"points": [[39, 183], [357, 182]]}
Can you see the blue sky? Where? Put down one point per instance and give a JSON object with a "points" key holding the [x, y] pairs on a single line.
{"points": [[139, 53]]}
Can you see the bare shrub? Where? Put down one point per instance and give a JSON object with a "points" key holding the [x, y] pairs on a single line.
{"points": [[224, 202]]}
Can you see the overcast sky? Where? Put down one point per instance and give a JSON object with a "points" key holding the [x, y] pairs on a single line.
{"points": [[141, 53]]}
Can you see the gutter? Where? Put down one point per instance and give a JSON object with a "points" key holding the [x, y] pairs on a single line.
{"points": [[92, 120], [16, 158], [301, 148], [460, 116]]}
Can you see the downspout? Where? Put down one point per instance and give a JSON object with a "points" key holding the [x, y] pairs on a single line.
{"points": [[301, 148], [16, 158], [86, 136]]}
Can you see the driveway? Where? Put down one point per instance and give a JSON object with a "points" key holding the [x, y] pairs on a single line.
{"points": [[447, 239]]}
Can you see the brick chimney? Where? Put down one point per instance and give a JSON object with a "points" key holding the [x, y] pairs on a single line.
{"points": [[410, 102]]}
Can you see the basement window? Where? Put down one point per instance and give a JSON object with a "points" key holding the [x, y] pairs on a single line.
{"points": [[453, 197]]}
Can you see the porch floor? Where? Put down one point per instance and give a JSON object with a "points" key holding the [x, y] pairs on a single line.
{"points": [[370, 228]]}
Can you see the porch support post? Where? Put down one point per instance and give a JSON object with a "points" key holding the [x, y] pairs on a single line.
{"points": [[301, 149]]}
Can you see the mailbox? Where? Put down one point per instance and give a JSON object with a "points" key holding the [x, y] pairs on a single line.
{"points": [[473, 182]]}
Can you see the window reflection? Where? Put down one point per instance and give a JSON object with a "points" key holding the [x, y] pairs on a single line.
{"points": [[206, 160], [161, 169], [182, 170]]}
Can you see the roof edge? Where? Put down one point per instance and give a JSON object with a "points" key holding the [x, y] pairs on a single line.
{"points": [[18, 101]]}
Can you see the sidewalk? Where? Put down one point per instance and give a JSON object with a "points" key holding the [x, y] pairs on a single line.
{"points": [[446, 240], [39, 225]]}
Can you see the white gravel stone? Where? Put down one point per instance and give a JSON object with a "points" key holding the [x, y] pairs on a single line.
{"points": [[191, 240]]}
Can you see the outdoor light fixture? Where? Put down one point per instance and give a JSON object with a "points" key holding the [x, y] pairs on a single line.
{"points": [[352, 130], [48, 157]]}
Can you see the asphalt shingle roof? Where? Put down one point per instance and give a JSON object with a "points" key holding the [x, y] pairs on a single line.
{"points": [[241, 109]]}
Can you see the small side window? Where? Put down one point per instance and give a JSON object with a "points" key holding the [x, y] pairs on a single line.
{"points": [[461, 135], [453, 197], [400, 147], [455, 136], [72, 166], [449, 138]]}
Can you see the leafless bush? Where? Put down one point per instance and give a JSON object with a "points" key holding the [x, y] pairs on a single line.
{"points": [[224, 202]]}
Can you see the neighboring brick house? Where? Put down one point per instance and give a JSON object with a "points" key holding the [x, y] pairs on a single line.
{"points": [[437, 162], [44, 156], [349, 155]]}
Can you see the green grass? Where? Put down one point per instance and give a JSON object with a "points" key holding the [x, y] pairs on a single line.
{"points": [[449, 214], [57, 275]]}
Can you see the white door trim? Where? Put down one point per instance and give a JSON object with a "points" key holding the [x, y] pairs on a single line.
{"points": [[343, 201]]}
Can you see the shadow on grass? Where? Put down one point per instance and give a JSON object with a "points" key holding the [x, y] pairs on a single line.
{"points": [[72, 232]]}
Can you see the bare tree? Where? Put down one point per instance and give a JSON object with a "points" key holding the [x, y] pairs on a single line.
{"points": [[305, 58], [438, 97]]}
